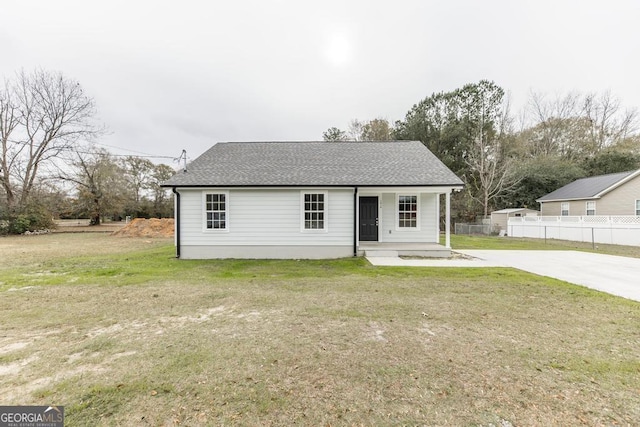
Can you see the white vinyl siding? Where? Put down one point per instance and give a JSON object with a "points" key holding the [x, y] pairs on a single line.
{"points": [[428, 215], [564, 209], [269, 217], [590, 208]]}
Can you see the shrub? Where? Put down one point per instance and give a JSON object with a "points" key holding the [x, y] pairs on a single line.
{"points": [[19, 224], [32, 218]]}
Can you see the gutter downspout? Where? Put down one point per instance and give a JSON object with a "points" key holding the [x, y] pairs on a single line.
{"points": [[447, 220], [177, 221], [355, 221]]}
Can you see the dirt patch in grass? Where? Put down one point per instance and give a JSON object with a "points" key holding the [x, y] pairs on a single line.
{"points": [[454, 256], [82, 226], [242, 343], [342, 351], [153, 227]]}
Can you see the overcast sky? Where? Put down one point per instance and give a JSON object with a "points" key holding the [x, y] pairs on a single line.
{"points": [[173, 75]]}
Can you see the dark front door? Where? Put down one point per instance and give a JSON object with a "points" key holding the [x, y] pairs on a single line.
{"points": [[369, 219]]}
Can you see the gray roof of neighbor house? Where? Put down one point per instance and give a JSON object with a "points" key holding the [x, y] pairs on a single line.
{"points": [[589, 188], [284, 164]]}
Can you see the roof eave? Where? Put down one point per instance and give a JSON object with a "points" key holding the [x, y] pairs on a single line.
{"points": [[571, 199], [618, 184], [305, 185]]}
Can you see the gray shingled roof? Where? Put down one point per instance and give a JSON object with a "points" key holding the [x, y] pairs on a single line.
{"points": [[397, 163], [586, 188]]}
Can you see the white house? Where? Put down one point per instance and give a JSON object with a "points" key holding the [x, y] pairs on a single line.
{"points": [[309, 199]]}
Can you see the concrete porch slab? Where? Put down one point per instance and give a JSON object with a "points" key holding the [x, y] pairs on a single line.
{"points": [[433, 262], [385, 249]]}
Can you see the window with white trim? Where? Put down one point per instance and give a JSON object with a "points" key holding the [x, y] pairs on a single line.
{"points": [[564, 209], [591, 208], [215, 210], [638, 207], [407, 211], [314, 211]]}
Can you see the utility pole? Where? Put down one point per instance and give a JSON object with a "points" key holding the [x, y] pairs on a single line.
{"points": [[183, 157]]}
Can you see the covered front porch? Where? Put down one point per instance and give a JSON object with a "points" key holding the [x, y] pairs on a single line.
{"points": [[402, 221], [383, 249]]}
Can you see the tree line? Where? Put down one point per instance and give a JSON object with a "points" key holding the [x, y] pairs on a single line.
{"points": [[509, 160], [50, 166]]}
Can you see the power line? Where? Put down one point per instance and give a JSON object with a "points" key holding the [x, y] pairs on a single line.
{"points": [[129, 155], [182, 157], [139, 153]]}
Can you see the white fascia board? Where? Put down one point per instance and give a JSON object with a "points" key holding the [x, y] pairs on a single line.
{"points": [[569, 200], [408, 189]]}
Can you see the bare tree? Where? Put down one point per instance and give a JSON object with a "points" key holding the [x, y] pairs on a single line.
{"points": [[8, 123], [139, 172], [377, 129], [554, 125], [491, 169], [99, 182], [162, 203], [608, 123], [493, 175], [576, 126], [42, 115], [355, 130]]}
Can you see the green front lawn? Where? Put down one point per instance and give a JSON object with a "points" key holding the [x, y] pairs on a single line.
{"points": [[517, 243], [121, 333]]}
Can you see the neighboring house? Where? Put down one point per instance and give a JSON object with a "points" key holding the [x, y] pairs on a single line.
{"points": [[612, 194], [308, 199], [500, 219]]}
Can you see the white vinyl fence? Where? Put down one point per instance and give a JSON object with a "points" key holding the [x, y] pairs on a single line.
{"points": [[617, 230]]}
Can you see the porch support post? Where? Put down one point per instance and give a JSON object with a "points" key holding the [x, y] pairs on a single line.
{"points": [[177, 218], [356, 224], [447, 221]]}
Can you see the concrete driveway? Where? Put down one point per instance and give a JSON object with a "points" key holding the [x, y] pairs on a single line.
{"points": [[607, 273]]}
